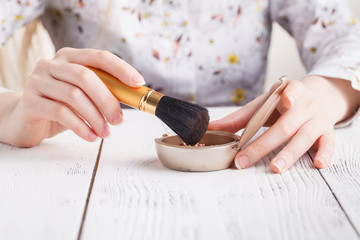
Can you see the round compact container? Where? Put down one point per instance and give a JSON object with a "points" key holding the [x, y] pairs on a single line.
{"points": [[218, 153], [220, 147]]}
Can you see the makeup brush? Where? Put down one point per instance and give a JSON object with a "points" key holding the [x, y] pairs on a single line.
{"points": [[189, 121]]}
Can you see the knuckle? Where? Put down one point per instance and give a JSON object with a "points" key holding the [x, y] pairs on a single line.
{"points": [[102, 54], [32, 86], [295, 88], [308, 135], [61, 52], [83, 75], [52, 67], [296, 84], [286, 127], [42, 64], [60, 111], [31, 81], [74, 94], [258, 151], [29, 101]]}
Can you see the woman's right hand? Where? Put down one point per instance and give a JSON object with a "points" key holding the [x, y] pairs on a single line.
{"points": [[63, 94]]}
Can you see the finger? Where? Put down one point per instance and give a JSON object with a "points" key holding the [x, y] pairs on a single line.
{"points": [[237, 120], [294, 92], [57, 112], [281, 131], [103, 60], [90, 83], [325, 152], [79, 102], [291, 95], [298, 145]]}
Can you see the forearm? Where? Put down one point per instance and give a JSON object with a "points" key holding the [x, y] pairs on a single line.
{"points": [[334, 96]]}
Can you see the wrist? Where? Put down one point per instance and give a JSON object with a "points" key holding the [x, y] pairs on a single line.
{"points": [[9, 102], [335, 97]]}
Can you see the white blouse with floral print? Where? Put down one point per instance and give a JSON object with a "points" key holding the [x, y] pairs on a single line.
{"points": [[205, 51]]}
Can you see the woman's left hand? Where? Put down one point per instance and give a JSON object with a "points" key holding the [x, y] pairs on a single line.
{"points": [[304, 118]]}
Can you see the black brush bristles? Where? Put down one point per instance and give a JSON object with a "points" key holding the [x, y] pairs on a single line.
{"points": [[187, 120]]}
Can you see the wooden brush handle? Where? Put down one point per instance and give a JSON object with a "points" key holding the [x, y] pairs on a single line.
{"points": [[142, 98]]}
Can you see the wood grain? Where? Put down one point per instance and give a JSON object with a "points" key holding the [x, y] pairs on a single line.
{"points": [[343, 174], [135, 197], [43, 189]]}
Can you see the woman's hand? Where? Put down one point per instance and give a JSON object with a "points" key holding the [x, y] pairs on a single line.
{"points": [[304, 118], [63, 94]]}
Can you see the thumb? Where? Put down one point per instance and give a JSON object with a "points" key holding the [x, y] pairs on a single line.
{"points": [[238, 119]]}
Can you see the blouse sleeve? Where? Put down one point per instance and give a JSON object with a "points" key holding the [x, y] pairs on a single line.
{"points": [[14, 14], [327, 35]]}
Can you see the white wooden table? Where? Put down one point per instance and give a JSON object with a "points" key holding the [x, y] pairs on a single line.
{"points": [[66, 188]]}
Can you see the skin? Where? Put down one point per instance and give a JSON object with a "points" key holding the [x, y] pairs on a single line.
{"points": [[304, 118], [63, 94]]}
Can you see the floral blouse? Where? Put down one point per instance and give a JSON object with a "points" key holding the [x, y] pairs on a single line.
{"points": [[205, 51]]}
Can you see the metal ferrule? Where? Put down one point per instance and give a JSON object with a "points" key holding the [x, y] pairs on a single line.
{"points": [[149, 101]]}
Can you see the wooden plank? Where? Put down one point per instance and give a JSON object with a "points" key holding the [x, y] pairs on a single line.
{"points": [[135, 197], [343, 174], [43, 189]]}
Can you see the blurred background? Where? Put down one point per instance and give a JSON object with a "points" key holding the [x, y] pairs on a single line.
{"points": [[280, 62], [288, 62]]}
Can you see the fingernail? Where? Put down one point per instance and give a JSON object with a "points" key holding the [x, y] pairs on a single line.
{"points": [[117, 118], [242, 162], [137, 79], [280, 164], [106, 131]]}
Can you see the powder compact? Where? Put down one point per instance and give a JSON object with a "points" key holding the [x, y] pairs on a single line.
{"points": [[217, 149]]}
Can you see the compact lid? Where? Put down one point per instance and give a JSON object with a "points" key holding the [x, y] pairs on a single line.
{"points": [[263, 112]]}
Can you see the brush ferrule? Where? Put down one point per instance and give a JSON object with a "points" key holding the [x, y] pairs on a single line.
{"points": [[149, 101]]}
